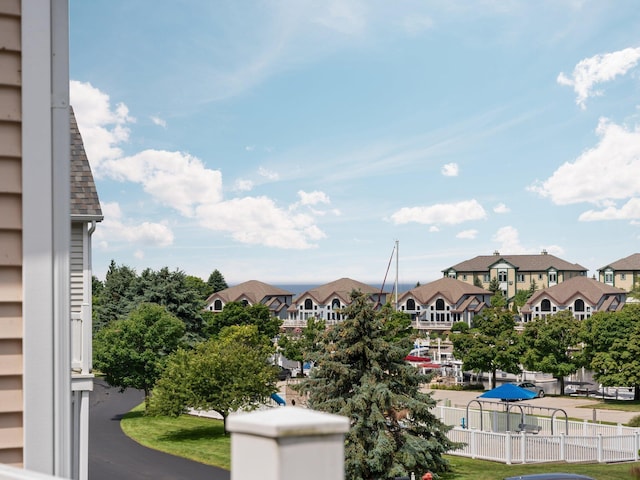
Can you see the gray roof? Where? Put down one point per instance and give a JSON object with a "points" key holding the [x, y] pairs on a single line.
{"points": [[85, 204], [254, 291], [341, 288], [589, 289], [524, 263], [450, 288], [630, 263]]}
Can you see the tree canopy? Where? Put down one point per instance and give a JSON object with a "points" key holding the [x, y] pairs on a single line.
{"points": [[299, 347], [236, 313], [492, 344], [361, 373], [548, 345], [132, 352], [222, 374], [217, 282], [612, 347]]}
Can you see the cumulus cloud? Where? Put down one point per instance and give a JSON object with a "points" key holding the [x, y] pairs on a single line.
{"points": [[184, 183], [241, 185], [501, 208], [610, 171], [508, 240], [259, 221], [629, 211], [159, 121], [598, 69], [115, 230], [103, 128], [467, 234], [450, 170], [313, 198], [441, 213]]}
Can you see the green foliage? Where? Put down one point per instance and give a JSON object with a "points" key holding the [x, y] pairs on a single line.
{"points": [[217, 282], [477, 282], [492, 344], [235, 313], [494, 286], [196, 284], [361, 374], [300, 347], [132, 352], [634, 422], [521, 297], [548, 342], [222, 374], [123, 290], [612, 347]]}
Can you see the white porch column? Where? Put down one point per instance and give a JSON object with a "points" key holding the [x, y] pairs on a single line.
{"points": [[287, 444]]}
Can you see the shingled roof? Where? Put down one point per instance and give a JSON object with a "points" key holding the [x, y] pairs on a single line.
{"points": [[524, 263], [342, 288], [85, 204], [253, 290], [632, 262], [589, 289], [450, 288]]}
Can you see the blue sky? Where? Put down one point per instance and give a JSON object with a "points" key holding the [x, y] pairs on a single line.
{"points": [[295, 141]]}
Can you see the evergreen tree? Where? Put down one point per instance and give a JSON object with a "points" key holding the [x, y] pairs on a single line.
{"points": [[217, 282], [361, 374], [299, 348], [116, 298], [477, 282]]}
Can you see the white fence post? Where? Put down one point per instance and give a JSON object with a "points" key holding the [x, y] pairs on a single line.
{"points": [[508, 449], [523, 447], [599, 437], [287, 444], [636, 444], [472, 443]]}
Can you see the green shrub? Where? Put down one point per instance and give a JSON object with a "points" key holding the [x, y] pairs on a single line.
{"points": [[634, 422]]}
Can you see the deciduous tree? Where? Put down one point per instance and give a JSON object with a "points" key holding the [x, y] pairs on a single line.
{"points": [[223, 374], [132, 352], [548, 344], [491, 345], [361, 373], [235, 313], [299, 347]]}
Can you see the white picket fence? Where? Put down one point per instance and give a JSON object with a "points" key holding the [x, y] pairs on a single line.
{"points": [[560, 440]]}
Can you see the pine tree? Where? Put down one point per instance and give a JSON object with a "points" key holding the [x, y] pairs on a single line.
{"points": [[216, 281], [361, 374]]}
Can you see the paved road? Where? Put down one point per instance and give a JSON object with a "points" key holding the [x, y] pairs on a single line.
{"points": [[113, 455]]}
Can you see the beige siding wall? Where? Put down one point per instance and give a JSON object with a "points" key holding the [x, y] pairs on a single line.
{"points": [[77, 266], [11, 360]]}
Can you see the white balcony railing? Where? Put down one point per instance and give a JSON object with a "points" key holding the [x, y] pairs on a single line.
{"points": [[81, 340]]}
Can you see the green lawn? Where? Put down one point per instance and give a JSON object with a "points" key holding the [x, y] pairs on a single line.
{"points": [[623, 405], [203, 440]]}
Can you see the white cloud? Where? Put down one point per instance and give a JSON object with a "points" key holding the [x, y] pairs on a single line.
{"points": [[441, 213], [598, 69], [467, 234], [346, 17], [629, 211], [102, 127], [249, 148], [434, 229], [159, 121], [268, 174], [450, 170], [501, 208], [313, 198], [508, 239], [241, 185], [609, 171], [259, 221], [115, 230], [175, 179]]}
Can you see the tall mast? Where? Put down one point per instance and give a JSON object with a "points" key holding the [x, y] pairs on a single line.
{"points": [[397, 263]]}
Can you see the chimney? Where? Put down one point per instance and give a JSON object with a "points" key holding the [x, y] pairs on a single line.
{"points": [[496, 252], [544, 251]]}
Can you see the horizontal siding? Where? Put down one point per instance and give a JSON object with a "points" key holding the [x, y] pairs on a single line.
{"points": [[77, 266], [11, 323]]}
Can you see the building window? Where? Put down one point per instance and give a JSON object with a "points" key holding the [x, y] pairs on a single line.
{"points": [[520, 278], [452, 274], [502, 275], [623, 276], [608, 277], [411, 304], [308, 304], [217, 305], [579, 305], [486, 278], [539, 276], [553, 277], [545, 305], [464, 277]]}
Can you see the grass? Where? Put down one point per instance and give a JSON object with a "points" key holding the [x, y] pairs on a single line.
{"points": [[622, 405], [196, 438], [203, 440]]}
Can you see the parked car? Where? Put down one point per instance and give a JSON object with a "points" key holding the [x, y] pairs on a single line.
{"points": [[284, 374], [539, 391], [551, 476]]}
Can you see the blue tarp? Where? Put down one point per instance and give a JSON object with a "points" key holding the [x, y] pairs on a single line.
{"points": [[278, 399], [509, 391]]}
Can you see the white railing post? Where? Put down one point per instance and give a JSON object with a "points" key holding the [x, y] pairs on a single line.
{"points": [[287, 444], [508, 449], [472, 443], [563, 440], [600, 452], [523, 447]]}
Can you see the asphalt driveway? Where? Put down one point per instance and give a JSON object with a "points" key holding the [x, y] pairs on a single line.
{"points": [[113, 455]]}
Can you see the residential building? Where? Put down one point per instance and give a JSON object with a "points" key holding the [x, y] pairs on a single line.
{"points": [[252, 292], [41, 407], [583, 296], [623, 273], [325, 302], [515, 272], [438, 305]]}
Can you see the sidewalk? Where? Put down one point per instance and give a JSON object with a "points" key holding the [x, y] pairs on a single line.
{"points": [[575, 407]]}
